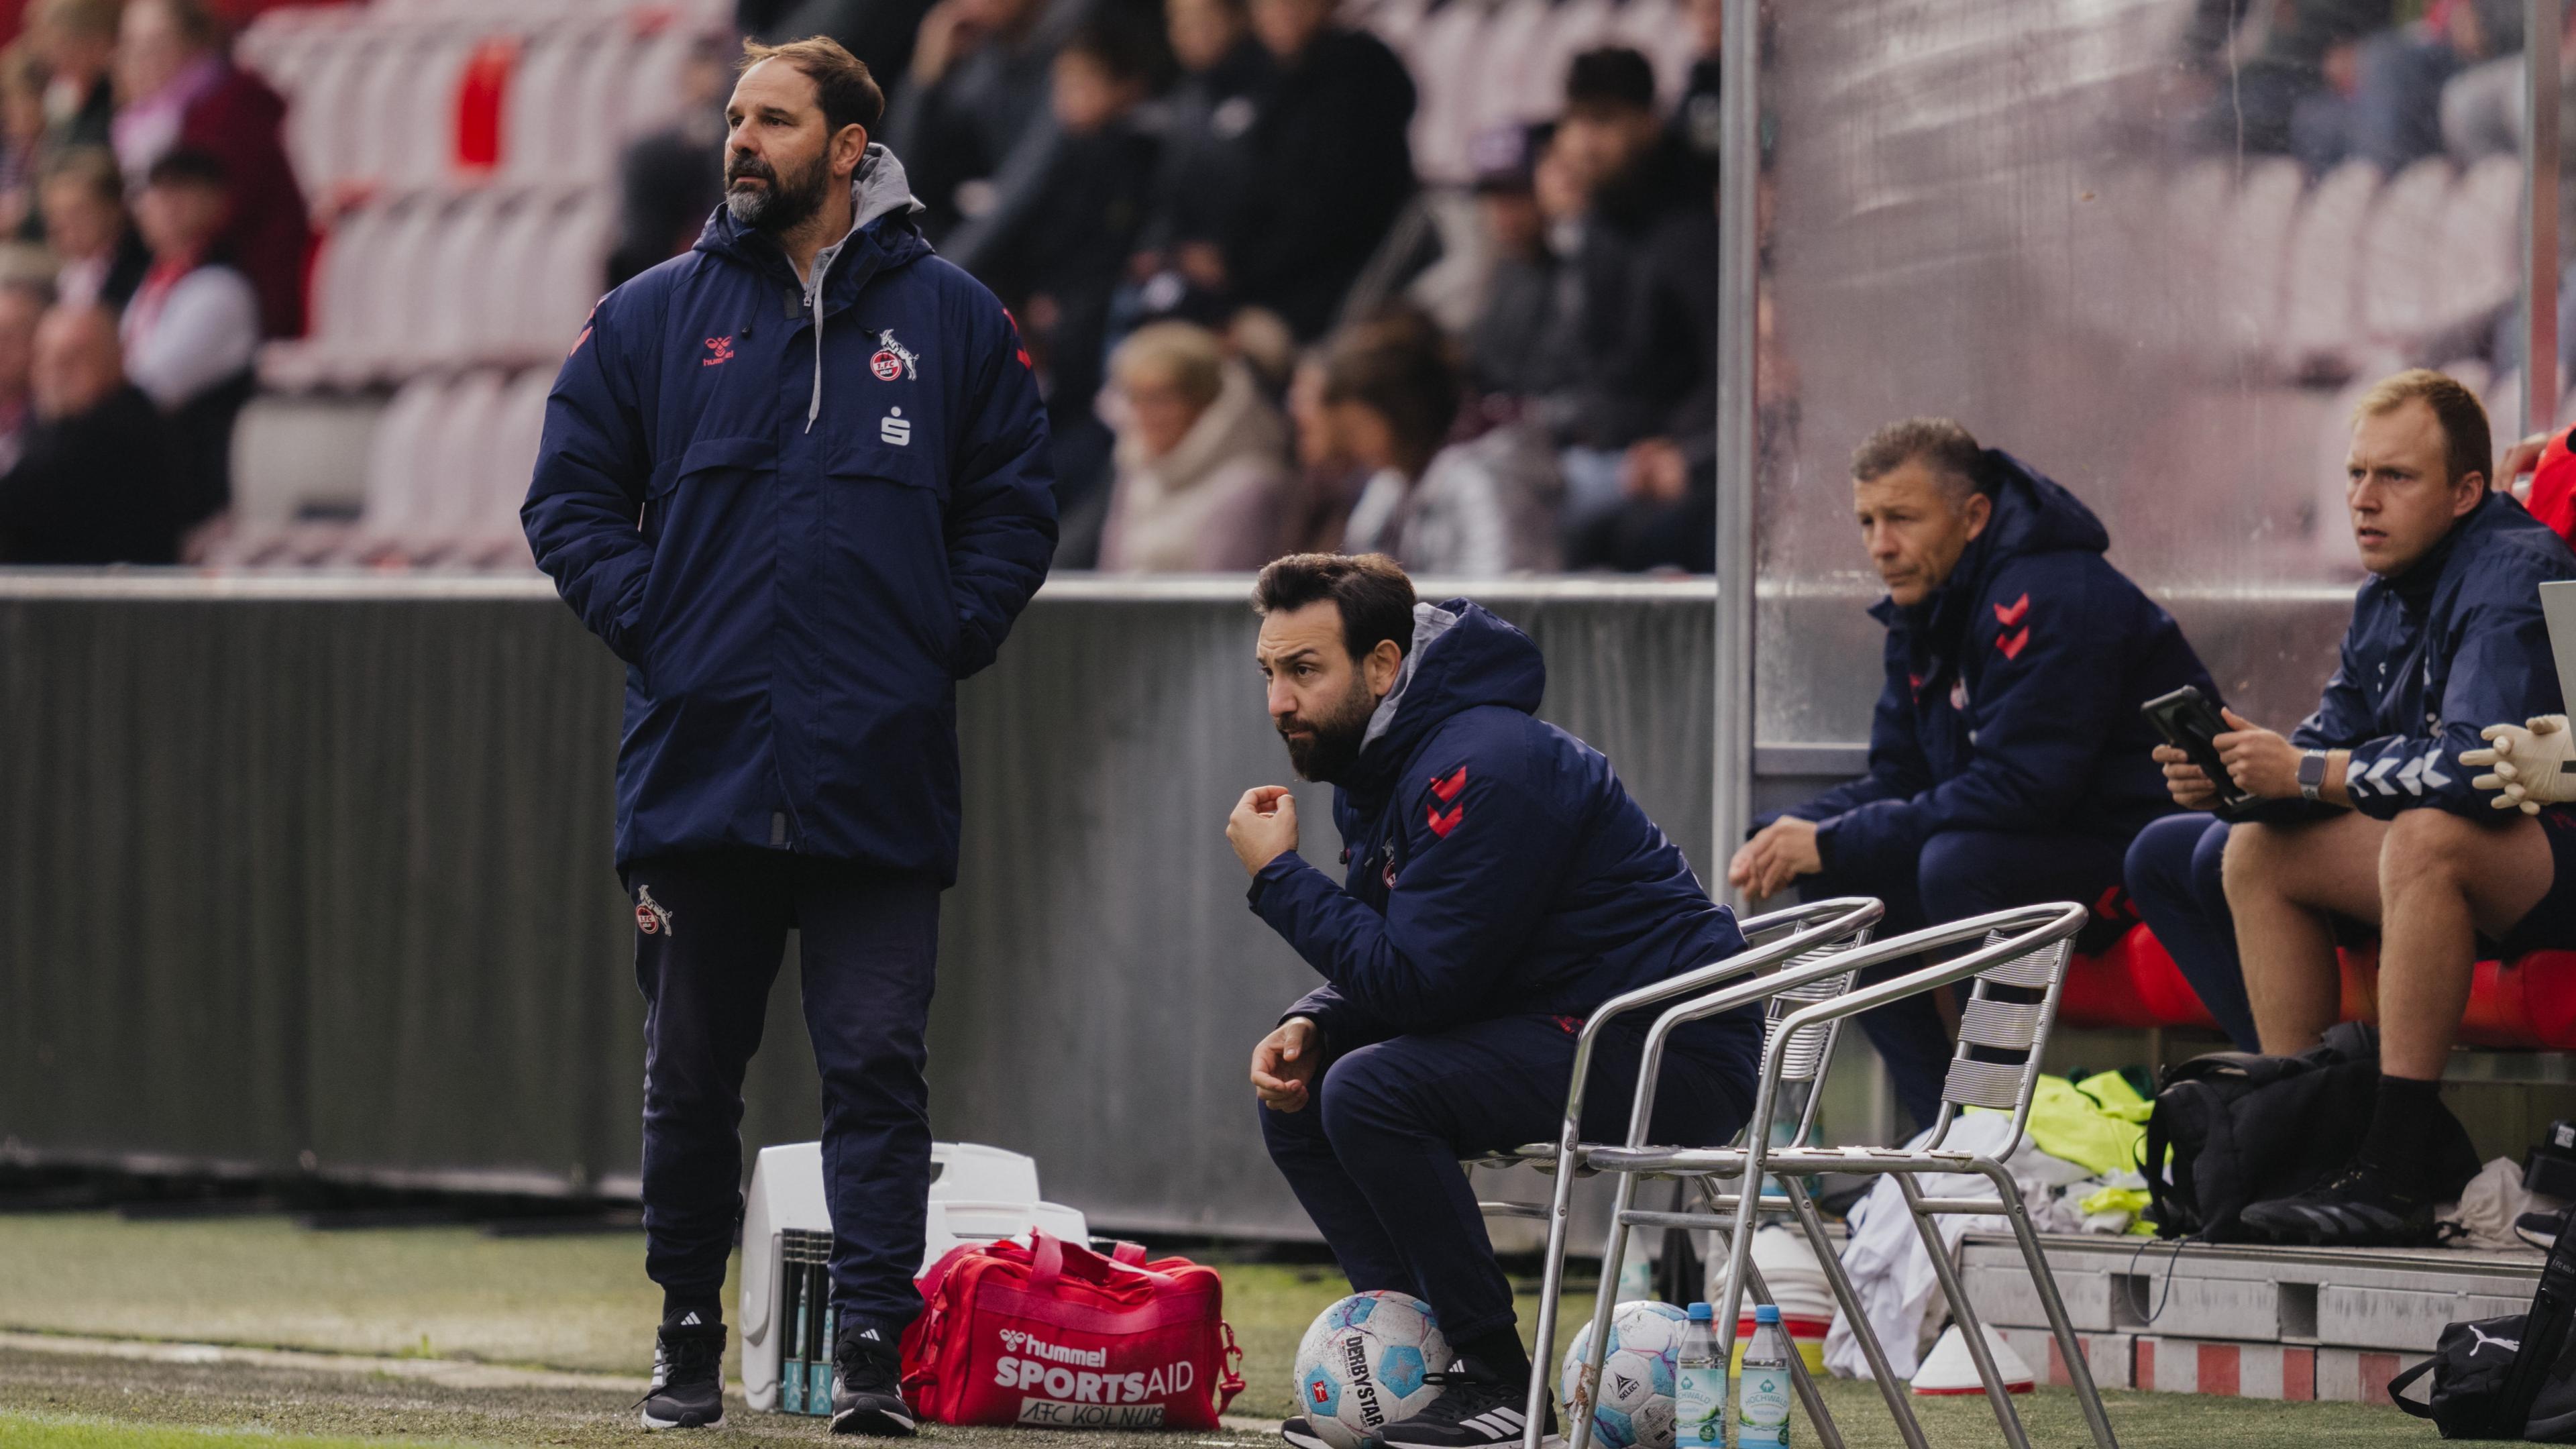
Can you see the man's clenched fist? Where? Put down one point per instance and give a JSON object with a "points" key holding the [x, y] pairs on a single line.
{"points": [[1263, 826]]}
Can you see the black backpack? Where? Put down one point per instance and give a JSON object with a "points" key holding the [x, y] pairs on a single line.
{"points": [[2507, 1378], [2244, 1128]]}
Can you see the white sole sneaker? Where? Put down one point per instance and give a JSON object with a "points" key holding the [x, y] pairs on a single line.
{"points": [[652, 1423]]}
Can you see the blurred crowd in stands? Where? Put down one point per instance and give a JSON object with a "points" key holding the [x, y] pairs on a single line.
{"points": [[156, 236], [1280, 297]]}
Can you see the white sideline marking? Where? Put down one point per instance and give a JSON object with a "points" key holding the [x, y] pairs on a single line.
{"points": [[454, 1373]]}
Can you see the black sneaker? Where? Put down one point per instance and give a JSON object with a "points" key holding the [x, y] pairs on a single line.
{"points": [[867, 1386], [1474, 1408], [2352, 1209], [688, 1375], [1301, 1434]]}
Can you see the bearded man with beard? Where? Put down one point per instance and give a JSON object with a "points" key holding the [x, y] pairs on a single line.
{"points": [[797, 479], [1500, 886]]}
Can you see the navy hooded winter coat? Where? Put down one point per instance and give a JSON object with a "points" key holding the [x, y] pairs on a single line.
{"points": [[800, 519], [2435, 655], [2012, 693], [1495, 865]]}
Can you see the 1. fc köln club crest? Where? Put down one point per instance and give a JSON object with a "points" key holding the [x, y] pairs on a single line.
{"points": [[893, 359]]}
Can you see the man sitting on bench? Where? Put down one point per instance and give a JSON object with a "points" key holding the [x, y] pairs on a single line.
{"points": [[2007, 760], [2371, 815]]}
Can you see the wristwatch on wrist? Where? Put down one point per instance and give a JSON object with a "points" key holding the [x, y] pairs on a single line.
{"points": [[2312, 774]]}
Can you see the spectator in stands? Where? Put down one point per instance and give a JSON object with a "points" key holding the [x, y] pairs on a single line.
{"points": [[669, 180], [183, 91], [879, 32], [2382, 101], [2369, 815], [1329, 479], [103, 258], [2258, 62], [1476, 509], [90, 485], [1203, 476], [23, 302], [1636, 179], [1329, 164], [1205, 163], [77, 39], [978, 82], [2007, 760], [1056, 242], [1521, 347], [1666, 515], [23, 78], [192, 330]]}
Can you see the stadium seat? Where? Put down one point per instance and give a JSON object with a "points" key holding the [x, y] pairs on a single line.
{"points": [[2322, 306], [2404, 227], [2480, 245], [2526, 1003], [2253, 256]]}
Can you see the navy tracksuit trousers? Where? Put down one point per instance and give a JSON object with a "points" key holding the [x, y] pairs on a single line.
{"points": [[2176, 884], [868, 945], [1374, 1155], [1960, 873]]}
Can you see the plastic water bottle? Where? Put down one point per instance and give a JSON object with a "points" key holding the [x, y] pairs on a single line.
{"points": [[1762, 1407], [1699, 1385], [1636, 1279]]}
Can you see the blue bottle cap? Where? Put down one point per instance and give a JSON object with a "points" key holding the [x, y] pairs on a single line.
{"points": [[1766, 1314], [1701, 1313]]}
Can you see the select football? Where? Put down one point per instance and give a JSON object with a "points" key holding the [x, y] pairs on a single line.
{"points": [[1635, 1408], [1366, 1362]]}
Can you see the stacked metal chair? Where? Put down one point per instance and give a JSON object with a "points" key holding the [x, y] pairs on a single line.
{"points": [[1806, 945], [2018, 970]]}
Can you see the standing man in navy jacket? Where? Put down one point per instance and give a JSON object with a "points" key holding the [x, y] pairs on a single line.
{"points": [[797, 480], [1499, 885], [2369, 815], [2008, 761]]}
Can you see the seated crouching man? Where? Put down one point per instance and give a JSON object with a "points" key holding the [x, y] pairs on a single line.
{"points": [[2370, 814], [1500, 886], [2008, 759]]}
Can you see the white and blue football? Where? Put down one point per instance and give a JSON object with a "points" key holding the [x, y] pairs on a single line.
{"points": [[1635, 1407], [1367, 1362]]}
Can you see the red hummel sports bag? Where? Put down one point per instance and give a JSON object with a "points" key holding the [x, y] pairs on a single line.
{"points": [[1055, 1335]]}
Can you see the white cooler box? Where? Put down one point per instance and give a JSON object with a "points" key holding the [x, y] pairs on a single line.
{"points": [[977, 1195]]}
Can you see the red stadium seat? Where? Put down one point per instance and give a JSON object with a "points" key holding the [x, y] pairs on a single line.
{"points": [[2528, 1003]]}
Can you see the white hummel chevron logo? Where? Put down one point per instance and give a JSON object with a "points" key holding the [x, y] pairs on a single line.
{"points": [[2412, 777], [2433, 775], [2379, 773]]}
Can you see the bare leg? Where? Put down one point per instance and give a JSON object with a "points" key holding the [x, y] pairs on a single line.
{"points": [[2282, 883], [2444, 878]]}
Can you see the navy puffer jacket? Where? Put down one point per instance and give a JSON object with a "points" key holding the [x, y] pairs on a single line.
{"points": [[1496, 867], [2012, 693], [799, 518]]}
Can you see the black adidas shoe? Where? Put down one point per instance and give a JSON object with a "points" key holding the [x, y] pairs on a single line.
{"points": [[688, 1375], [2355, 1208], [1301, 1434], [867, 1386], [1474, 1408]]}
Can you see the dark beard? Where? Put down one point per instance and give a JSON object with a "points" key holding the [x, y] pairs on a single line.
{"points": [[783, 203], [1334, 747]]}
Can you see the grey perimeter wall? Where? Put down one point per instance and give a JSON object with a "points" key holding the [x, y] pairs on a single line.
{"points": [[316, 875]]}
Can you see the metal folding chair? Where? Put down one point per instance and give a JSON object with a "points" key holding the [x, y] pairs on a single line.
{"points": [[2018, 972], [1804, 944]]}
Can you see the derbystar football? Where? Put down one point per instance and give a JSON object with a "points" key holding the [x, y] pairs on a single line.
{"points": [[1367, 1362], [1635, 1409]]}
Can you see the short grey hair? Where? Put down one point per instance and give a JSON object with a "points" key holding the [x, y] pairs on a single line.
{"points": [[1941, 444]]}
